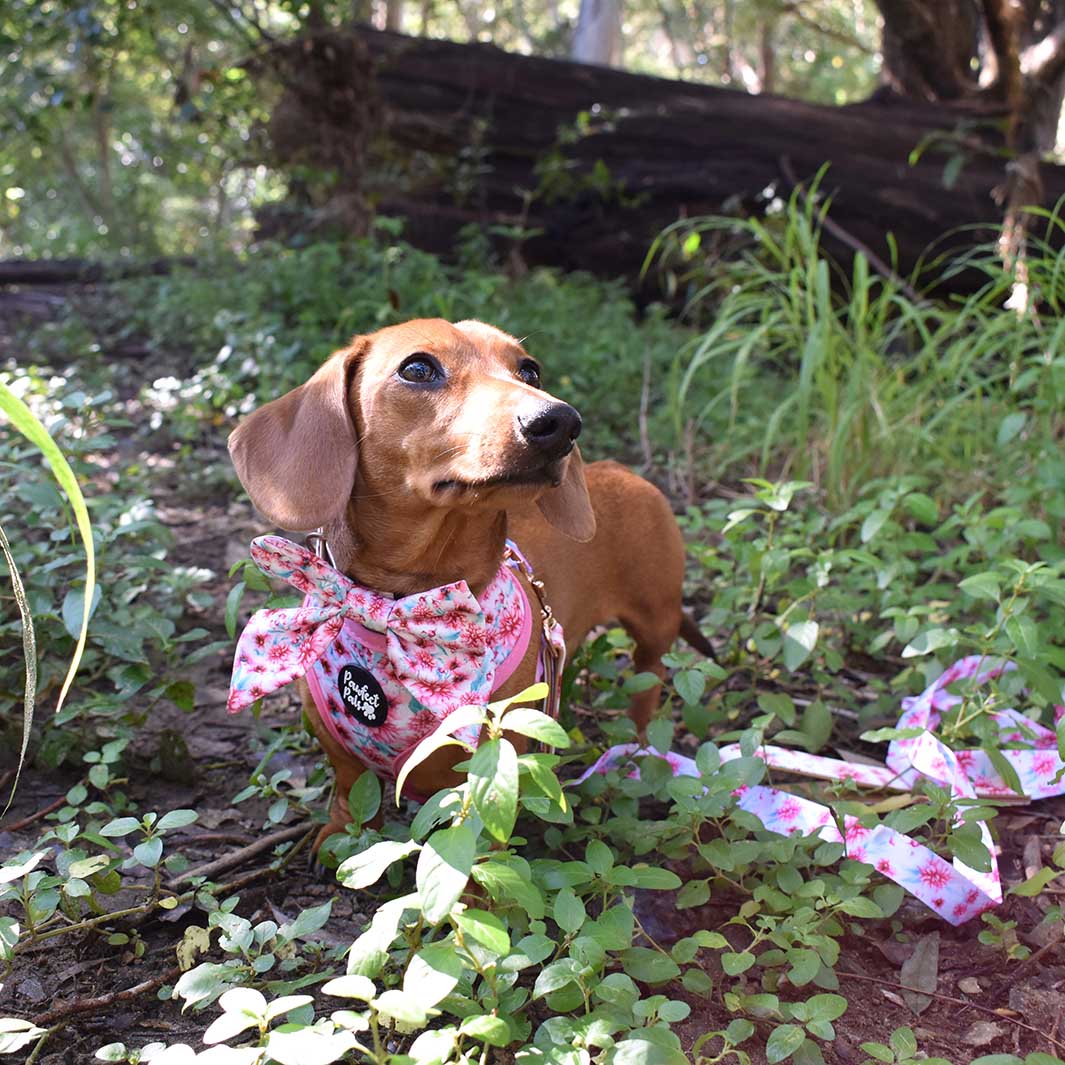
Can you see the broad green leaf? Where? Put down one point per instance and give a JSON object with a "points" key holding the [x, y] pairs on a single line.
{"points": [[487, 1029], [351, 986], [569, 911], [638, 1049], [307, 922], [433, 973], [799, 642], [783, 1041], [981, 586], [176, 819], [493, 777], [364, 798], [149, 852], [444, 869], [873, 524], [441, 736], [485, 928], [536, 725], [1010, 426], [361, 870], [649, 966], [690, 685], [308, 1046], [930, 640], [1036, 882]]}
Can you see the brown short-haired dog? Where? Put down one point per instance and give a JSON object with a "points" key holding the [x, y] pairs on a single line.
{"points": [[419, 449]]}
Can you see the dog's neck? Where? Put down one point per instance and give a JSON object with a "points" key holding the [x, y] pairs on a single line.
{"points": [[404, 550]]}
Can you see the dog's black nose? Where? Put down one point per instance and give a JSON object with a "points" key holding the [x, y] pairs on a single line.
{"points": [[551, 429]]}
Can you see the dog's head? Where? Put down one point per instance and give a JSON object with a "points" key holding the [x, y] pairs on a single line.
{"points": [[443, 415]]}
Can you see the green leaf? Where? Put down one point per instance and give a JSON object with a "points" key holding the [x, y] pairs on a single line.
{"points": [[364, 799], [783, 1041], [307, 922], [693, 893], [736, 962], [799, 642], [444, 869], [817, 724], [1010, 426], [690, 685], [536, 725], [1034, 884], [493, 777], [1005, 769], [861, 907], [149, 852], [599, 856], [236, 593], [1024, 634], [879, 1052], [433, 973], [487, 1029], [653, 878], [120, 826], [441, 736], [922, 507], [505, 884], [27, 423], [873, 524], [555, 976], [485, 928], [569, 911], [404, 1006], [826, 1007], [649, 966], [930, 640], [361, 870], [176, 819], [981, 586], [638, 1049]]}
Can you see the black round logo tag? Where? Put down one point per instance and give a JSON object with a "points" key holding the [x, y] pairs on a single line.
{"points": [[362, 696]]}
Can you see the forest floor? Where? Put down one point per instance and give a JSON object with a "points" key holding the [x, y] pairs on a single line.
{"points": [[92, 993]]}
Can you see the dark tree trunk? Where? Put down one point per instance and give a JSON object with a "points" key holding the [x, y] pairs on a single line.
{"points": [[1009, 54]]}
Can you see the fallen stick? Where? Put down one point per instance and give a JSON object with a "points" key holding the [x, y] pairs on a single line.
{"points": [[238, 857]]}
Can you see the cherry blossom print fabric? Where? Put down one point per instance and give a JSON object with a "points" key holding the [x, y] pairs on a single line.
{"points": [[383, 672], [953, 890]]}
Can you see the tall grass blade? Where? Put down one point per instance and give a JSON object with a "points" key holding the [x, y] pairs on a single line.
{"points": [[29, 653]]}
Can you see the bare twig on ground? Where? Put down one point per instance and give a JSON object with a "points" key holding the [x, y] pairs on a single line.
{"points": [[238, 857], [99, 1002]]}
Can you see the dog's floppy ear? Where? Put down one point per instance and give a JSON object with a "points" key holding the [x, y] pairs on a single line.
{"points": [[568, 507], [296, 456]]}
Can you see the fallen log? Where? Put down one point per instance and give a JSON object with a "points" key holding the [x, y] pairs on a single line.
{"points": [[596, 161], [81, 271]]}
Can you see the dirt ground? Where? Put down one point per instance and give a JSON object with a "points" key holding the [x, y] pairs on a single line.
{"points": [[93, 993]]}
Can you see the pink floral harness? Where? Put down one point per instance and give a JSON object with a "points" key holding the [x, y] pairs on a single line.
{"points": [[383, 672]]}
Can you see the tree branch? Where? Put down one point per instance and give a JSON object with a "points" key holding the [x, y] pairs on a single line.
{"points": [[794, 9]]}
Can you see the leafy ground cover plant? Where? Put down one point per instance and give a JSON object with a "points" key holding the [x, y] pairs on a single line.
{"points": [[622, 921]]}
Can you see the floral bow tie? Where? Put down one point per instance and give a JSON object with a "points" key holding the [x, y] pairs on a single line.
{"points": [[279, 645]]}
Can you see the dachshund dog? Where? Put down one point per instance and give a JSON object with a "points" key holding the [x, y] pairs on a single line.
{"points": [[419, 450]]}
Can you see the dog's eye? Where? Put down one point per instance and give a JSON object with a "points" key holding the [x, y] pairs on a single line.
{"points": [[529, 372], [420, 369]]}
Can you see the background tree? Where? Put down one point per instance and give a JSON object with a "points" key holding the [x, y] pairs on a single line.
{"points": [[597, 38]]}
